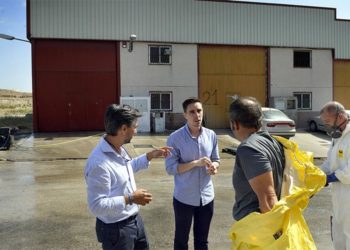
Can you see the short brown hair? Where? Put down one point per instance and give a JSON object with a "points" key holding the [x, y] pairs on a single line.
{"points": [[189, 101]]}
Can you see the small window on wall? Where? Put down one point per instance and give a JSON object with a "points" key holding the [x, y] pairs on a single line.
{"points": [[304, 100], [161, 101], [159, 54], [302, 59]]}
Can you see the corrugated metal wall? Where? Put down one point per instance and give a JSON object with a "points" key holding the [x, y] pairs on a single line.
{"points": [[73, 83], [342, 82], [225, 71], [191, 21]]}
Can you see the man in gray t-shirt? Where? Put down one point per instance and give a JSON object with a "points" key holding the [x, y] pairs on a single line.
{"points": [[257, 155], [258, 172]]}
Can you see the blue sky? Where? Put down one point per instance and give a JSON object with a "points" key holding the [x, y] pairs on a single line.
{"points": [[15, 56]]}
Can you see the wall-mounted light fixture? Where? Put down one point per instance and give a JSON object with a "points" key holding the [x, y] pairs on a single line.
{"points": [[124, 43], [132, 39]]}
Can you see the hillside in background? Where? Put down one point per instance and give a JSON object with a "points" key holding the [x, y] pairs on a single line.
{"points": [[15, 94], [14, 103]]}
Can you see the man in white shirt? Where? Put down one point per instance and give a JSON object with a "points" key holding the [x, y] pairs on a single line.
{"points": [[111, 189], [337, 169]]}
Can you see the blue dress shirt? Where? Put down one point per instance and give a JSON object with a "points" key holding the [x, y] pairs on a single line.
{"points": [[109, 177], [193, 186]]}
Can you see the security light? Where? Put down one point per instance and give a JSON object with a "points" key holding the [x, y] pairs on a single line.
{"points": [[7, 37]]}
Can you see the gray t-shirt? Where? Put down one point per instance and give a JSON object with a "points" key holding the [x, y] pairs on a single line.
{"points": [[258, 154]]}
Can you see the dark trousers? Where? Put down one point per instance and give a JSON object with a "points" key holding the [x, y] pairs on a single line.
{"points": [[201, 222], [128, 234]]}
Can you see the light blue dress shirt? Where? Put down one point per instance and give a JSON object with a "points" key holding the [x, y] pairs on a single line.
{"points": [[195, 185], [109, 177]]}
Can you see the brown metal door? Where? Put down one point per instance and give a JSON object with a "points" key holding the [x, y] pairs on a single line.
{"points": [[342, 82], [226, 71]]}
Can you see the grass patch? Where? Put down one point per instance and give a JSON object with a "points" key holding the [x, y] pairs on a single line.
{"points": [[16, 110], [15, 106]]}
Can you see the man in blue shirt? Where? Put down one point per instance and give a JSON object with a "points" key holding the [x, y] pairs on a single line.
{"points": [[194, 158], [112, 193]]}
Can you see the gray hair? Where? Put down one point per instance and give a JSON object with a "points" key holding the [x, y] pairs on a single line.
{"points": [[119, 115], [246, 111], [332, 108]]}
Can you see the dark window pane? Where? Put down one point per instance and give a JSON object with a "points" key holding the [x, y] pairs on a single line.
{"points": [[154, 55], [155, 101], [291, 104], [302, 59], [165, 57], [299, 100], [165, 101], [306, 101]]}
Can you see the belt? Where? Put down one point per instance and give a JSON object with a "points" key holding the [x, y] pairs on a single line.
{"points": [[127, 220], [119, 223]]}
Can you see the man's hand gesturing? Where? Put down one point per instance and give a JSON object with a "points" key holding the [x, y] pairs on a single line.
{"points": [[141, 197]]}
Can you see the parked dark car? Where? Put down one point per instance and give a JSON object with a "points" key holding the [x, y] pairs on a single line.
{"points": [[315, 123], [6, 137]]}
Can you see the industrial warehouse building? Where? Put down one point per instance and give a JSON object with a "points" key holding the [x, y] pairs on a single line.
{"points": [[85, 57]]}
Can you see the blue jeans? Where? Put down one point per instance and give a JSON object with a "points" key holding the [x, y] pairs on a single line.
{"points": [[201, 215], [128, 234]]}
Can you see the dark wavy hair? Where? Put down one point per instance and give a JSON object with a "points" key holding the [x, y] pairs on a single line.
{"points": [[118, 115]]}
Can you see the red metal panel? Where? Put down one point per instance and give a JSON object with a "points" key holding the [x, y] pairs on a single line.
{"points": [[50, 102], [75, 81], [62, 55]]}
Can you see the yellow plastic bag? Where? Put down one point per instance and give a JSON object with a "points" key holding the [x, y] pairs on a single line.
{"points": [[284, 226], [299, 171]]}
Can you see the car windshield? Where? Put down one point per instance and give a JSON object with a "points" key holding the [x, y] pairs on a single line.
{"points": [[273, 114]]}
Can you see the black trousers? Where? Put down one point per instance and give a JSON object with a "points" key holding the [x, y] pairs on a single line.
{"points": [[128, 234], [201, 215]]}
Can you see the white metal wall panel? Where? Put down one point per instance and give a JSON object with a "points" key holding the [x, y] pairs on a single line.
{"points": [[191, 21], [143, 104], [317, 79], [180, 77]]}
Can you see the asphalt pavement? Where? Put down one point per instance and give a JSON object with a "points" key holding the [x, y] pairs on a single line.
{"points": [[43, 193]]}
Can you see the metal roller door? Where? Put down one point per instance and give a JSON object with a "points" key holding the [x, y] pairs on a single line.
{"points": [[342, 82], [225, 71], [73, 82]]}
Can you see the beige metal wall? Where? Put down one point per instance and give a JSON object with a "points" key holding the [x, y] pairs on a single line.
{"points": [[225, 71], [342, 82]]}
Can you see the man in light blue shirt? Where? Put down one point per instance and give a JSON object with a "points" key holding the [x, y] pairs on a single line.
{"points": [[194, 158], [111, 189]]}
